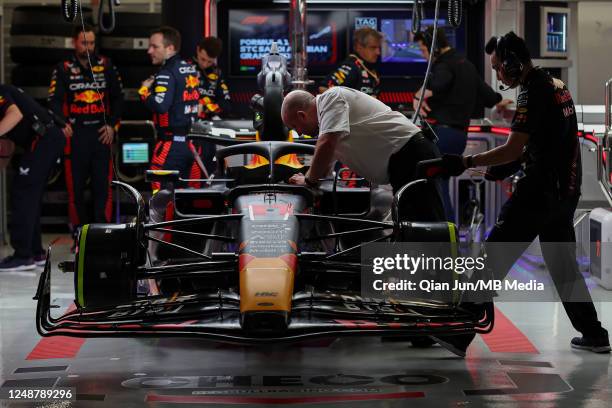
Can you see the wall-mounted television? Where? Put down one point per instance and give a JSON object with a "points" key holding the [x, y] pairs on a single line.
{"points": [[400, 55], [251, 33]]}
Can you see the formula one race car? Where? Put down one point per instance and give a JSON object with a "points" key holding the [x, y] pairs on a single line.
{"points": [[248, 258], [246, 261]]}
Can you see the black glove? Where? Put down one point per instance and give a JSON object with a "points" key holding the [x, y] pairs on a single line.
{"points": [[502, 171], [453, 164], [449, 165]]}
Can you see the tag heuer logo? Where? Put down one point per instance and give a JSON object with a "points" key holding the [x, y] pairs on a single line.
{"points": [[361, 22]]}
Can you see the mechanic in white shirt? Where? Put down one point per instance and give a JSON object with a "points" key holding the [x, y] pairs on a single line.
{"points": [[378, 143]]}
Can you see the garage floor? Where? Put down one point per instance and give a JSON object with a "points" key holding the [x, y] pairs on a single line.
{"points": [[526, 361]]}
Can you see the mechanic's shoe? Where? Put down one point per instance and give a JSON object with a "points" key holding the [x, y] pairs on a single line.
{"points": [[40, 259], [14, 264], [594, 344], [456, 344]]}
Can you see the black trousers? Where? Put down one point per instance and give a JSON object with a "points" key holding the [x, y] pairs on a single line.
{"points": [[423, 203], [87, 158], [27, 191], [207, 154], [531, 213]]}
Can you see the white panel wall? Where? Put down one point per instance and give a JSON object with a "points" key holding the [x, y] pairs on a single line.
{"points": [[594, 62], [501, 16]]}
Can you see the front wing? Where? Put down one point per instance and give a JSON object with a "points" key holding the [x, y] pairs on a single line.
{"points": [[216, 316]]}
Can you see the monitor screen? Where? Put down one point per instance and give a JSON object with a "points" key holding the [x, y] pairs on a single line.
{"points": [[398, 44], [400, 55], [251, 33], [135, 153]]}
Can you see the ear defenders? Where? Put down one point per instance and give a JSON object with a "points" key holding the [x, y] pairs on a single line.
{"points": [[428, 40], [511, 64]]}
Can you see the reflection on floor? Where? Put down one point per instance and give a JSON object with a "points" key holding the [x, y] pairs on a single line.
{"points": [[526, 361]]}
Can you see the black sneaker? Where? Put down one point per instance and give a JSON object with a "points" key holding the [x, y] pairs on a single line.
{"points": [[40, 259], [14, 264], [594, 344], [456, 344]]}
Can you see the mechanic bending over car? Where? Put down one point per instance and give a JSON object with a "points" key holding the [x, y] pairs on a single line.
{"points": [[544, 142], [381, 145], [214, 99], [24, 122], [172, 94], [454, 91]]}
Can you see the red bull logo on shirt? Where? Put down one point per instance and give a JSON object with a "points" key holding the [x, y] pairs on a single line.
{"points": [[88, 96], [191, 81]]}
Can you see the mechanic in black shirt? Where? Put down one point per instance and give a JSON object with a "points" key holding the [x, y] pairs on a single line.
{"points": [[544, 140], [31, 127], [454, 91], [214, 99], [358, 70], [172, 94], [86, 91]]}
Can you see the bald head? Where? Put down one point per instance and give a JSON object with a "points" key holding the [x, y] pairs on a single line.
{"points": [[293, 102], [299, 112]]}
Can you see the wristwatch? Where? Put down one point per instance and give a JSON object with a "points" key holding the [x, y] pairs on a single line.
{"points": [[469, 161]]}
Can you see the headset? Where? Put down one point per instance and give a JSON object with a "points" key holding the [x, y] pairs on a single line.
{"points": [[511, 64], [428, 39]]}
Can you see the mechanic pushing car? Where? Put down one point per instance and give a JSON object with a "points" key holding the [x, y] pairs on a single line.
{"points": [[172, 94], [358, 71], [379, 144], [214, 94], [86, 91], [544, 141], [31, 127]]}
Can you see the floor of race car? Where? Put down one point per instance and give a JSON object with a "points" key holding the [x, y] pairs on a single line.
{"points": [[525, 361]]}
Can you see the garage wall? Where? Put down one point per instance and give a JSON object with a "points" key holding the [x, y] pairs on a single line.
{"points": [[594, 61], [142, 6]]}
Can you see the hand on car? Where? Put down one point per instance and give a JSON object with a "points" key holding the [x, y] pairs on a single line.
{"points": [[502, 171], [298, 179]]}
